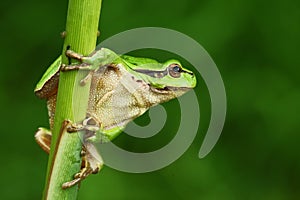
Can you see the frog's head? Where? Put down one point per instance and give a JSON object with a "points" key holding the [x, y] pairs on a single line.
{"points": [[167, 77], [177, 76]]}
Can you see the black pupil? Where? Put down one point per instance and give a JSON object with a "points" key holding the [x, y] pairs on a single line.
{"points": [[176, 68]]}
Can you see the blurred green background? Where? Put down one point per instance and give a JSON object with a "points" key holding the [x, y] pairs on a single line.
{"points": [[255, 45]]}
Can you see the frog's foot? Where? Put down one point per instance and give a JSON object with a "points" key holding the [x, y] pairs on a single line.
{"points": [[63, 34], [92, 130], [43, 138], [82, 66], [91, 164], [89, 124], [81, 58], [74, 55]]}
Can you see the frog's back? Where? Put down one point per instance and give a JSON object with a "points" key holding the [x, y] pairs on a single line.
{"points": [[141, 63]]}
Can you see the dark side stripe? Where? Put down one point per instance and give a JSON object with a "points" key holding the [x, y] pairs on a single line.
{"points": [[152, 73]]}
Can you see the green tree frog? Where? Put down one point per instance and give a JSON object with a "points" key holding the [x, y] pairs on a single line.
{"points": [[122, 89]]}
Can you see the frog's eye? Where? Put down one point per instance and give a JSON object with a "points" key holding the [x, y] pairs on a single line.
{"points": [[174, 70]]}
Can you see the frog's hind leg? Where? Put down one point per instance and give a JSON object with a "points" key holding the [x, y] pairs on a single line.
{"points": [[91, 164], [91, 159], [43, 138]]}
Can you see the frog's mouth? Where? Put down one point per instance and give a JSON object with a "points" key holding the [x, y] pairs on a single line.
{"points": [[170, 89], [177, 88]]}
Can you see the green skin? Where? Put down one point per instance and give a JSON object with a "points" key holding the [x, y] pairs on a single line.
{"points": [[122, 89]]}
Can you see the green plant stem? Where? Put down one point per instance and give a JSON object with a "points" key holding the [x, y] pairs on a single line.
{"points": [[72, 99]]}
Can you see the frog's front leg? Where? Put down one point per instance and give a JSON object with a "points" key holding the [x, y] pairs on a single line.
{"points": [[96, 59], [93, 130]]}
